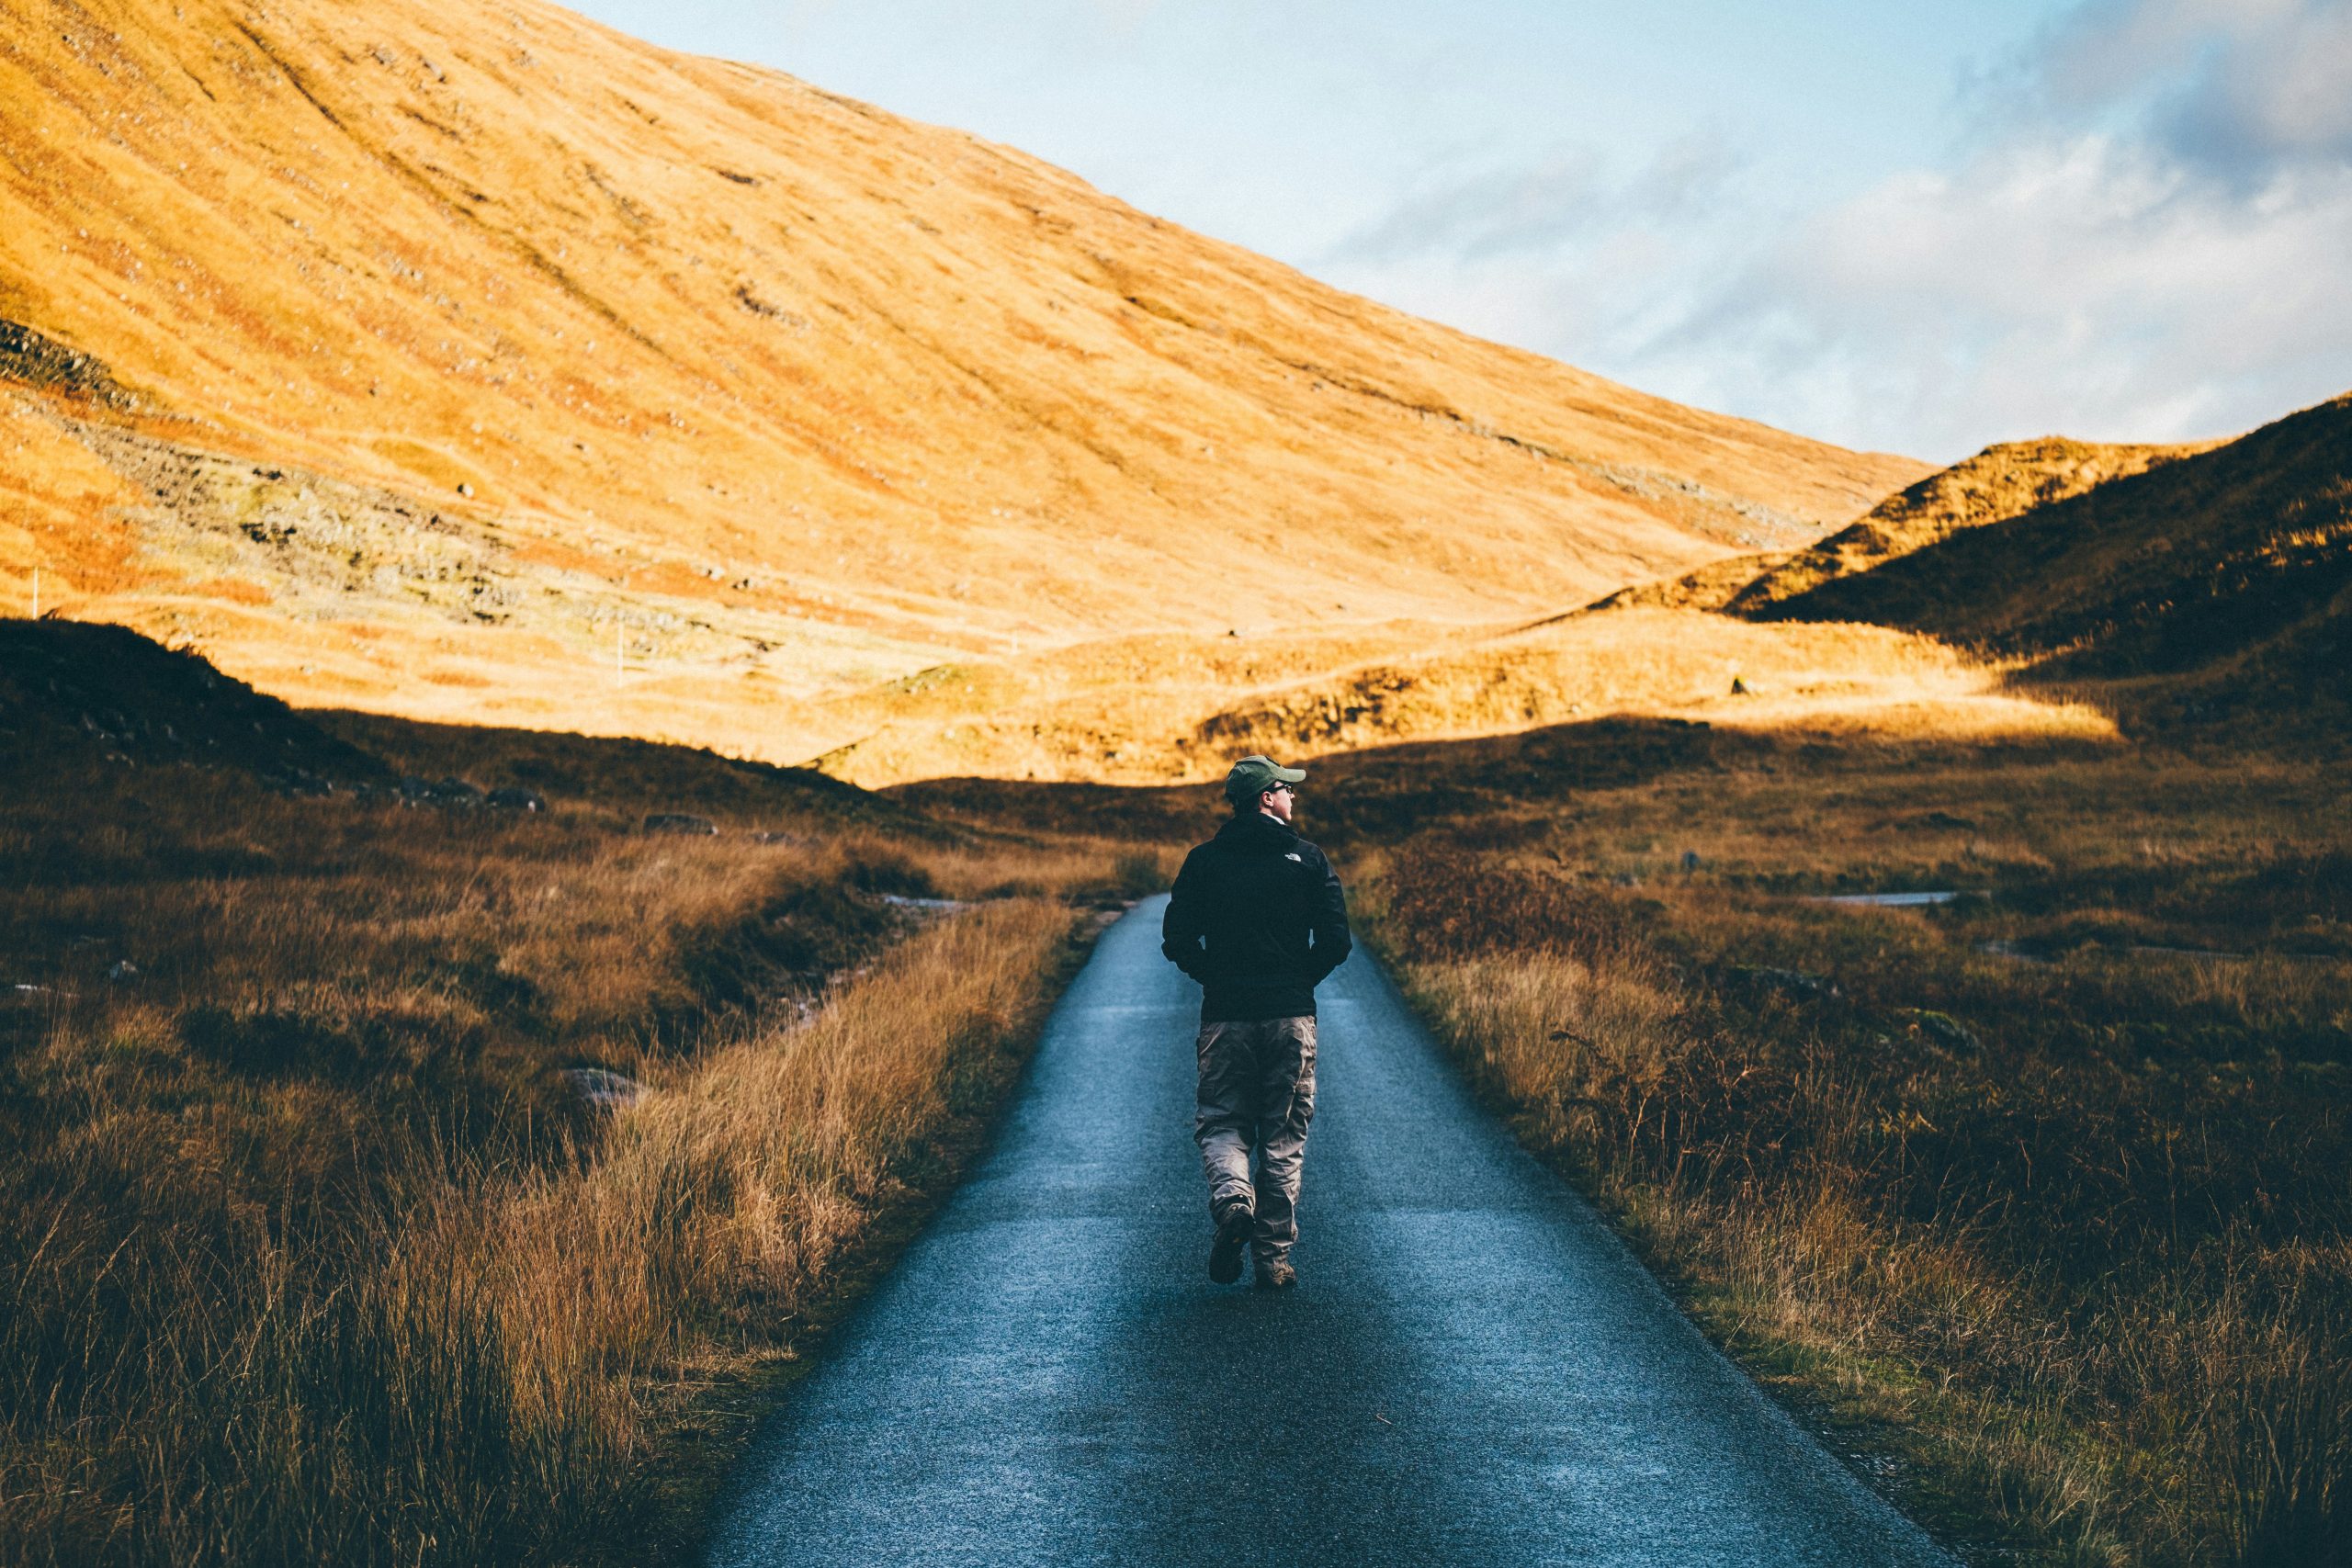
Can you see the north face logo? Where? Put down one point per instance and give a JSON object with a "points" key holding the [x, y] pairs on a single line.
{"points": [[1294, 857]]}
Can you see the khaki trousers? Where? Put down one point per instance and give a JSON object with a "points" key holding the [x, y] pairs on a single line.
{"points": [[1257, 1095]]}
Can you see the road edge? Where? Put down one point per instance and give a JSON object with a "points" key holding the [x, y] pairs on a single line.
{"points": [[710, 1412]]}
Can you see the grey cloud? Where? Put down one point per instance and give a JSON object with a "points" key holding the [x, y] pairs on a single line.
{"points": [[2271, 101], [1563, 199], [2237, 89], [1483, 214]]}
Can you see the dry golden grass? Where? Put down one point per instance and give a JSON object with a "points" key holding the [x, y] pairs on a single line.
{"points": [[465, 1369], [1162, 710], [1120, 709], [437, 351], [2051, 1222], [316, 1256], [1653, 663], [2230, 562]]}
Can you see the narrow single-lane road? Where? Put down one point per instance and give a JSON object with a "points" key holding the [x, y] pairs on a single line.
{"points": [[1472, 1370]]}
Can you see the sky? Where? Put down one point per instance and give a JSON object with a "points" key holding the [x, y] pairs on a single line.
{"points": [[1917, 227]]}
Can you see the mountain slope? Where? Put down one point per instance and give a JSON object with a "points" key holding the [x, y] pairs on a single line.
{"points": [[2001, 481], [2183, 566], [429, 357]]}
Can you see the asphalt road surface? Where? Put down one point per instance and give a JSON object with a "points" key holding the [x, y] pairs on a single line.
{"points": [[1472, 1370]]}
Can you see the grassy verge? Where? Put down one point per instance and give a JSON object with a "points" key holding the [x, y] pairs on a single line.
{"points": [[316, 1251], [2047, 1230]]}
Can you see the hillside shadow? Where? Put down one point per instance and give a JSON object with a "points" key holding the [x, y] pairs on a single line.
{"points": [[105, 702], [617, 771], [1471, 787]]}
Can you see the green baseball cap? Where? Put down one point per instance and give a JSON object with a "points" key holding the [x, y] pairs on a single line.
{"points": [[1253, 776]]}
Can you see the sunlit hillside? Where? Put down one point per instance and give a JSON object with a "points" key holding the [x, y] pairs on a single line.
{"points": [[1156, 711], [483, 363], [1999, 482], [2203, 559], [2189, 583]]}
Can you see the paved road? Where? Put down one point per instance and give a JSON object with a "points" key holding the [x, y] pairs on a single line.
{"points": [[1472, 1370]]}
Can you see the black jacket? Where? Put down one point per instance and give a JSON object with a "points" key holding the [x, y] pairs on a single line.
{"points": [[1258, 919]]}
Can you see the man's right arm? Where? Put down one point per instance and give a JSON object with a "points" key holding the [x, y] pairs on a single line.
{"points": [[1180, 927]]}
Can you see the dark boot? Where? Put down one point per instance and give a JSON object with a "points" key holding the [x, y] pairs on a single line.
{"points": [[1232, 1241]]}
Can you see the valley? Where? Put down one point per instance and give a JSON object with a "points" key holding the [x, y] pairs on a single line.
{"points": [[614, 627]]}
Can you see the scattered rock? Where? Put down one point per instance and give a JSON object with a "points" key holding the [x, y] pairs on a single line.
{"points": [[1690, 860], [1788, 982], [124, 969], [925, 906], [680, 822], [459, 793], [603, 1088], [779, 839], [27, 357], [1944, 1030], [1945, 821], [1738, 686], [512, 799], [450, 794]]}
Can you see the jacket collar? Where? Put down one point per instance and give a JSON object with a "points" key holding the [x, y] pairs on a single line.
{"points": [[1255, 827]]}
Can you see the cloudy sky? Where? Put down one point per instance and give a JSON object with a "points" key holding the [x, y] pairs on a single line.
{"points": [[1919, 226]]}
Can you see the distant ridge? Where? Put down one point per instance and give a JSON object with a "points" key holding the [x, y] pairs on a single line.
{"points": [[2001, 481], [2195, 585], [434, 358], [2191, 563]]}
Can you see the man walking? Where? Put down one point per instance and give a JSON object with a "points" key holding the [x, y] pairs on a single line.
{"points": [[1258, 919]]}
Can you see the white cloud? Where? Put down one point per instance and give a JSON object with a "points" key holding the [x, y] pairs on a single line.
{"points": [[2154, 242], [2084, 285], [2147, 235], [1565, 199], [1491, 212]]}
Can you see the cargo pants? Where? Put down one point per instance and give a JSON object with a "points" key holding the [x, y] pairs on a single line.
{"points": [[1257, 1095]]}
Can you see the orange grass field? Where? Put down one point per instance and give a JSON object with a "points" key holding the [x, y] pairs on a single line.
{"points": [[437, 361]]}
